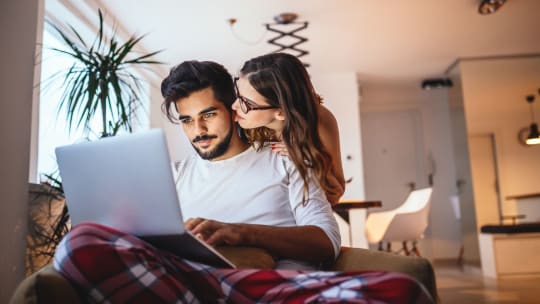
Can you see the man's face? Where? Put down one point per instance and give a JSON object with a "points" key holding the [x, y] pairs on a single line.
{"points": [[207, 124]]}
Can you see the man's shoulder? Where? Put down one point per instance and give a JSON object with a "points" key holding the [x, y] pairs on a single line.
{"points": [[183, 163], [276, 160]]}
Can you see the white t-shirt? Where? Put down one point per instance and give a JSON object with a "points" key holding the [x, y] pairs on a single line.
{"points": [[256, 188]]}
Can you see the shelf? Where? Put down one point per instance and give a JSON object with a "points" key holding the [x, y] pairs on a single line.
{"points": [[522, 196]]}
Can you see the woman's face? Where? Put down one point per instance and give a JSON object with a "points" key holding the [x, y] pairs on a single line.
{"points": [[259, 112]]}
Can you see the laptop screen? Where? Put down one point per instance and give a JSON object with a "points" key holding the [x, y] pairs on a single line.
{"points": [[125, 182]]}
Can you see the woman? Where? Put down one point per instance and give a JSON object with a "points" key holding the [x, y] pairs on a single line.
{"points": [[276, 101]]}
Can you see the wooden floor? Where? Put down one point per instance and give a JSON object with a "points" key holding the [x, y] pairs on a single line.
{"points": [[467, 285]]}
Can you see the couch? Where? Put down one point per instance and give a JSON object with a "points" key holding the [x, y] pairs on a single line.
{"points": [[48, 286]]}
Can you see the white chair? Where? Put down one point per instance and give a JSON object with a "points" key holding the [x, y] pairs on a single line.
{"points": [[406, 223]]}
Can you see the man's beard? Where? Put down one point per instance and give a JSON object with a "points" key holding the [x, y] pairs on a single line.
{"points": [[218, 151]]}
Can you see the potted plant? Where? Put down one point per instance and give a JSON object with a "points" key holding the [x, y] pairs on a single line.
{"points": [[48, 222], [101, 79], [100, 83]]}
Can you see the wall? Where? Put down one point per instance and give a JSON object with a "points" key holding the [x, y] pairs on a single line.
{"points": [[340, 94], [18, 21], [445, 231], [494, 97], [464, 199]]}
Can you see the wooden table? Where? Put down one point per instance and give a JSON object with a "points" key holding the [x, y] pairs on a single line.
{"points": [[342, 208], [351, 217]]}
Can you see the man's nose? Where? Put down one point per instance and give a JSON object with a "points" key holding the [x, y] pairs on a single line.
{"points": [[201, 127]]}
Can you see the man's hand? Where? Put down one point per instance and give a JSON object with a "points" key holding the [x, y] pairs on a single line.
{"points": [[217, 233]]}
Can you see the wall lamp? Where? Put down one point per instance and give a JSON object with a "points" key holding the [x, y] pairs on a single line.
{"points": [[487, 7]]}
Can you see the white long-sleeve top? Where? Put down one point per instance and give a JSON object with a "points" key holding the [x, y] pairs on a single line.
{"points": [[255, 188]]}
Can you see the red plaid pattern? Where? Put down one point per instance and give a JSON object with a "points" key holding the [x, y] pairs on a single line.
{"points": [[108, 266]]}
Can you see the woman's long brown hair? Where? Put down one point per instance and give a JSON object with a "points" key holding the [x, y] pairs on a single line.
{"points": [[282, 79]]}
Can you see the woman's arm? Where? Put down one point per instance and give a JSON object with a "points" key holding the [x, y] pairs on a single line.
{"points": [[329, 133]]}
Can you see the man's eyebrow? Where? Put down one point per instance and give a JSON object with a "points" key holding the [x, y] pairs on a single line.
{"points": [[210, 109]]}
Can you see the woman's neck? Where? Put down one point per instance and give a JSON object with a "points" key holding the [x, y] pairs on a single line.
{"points": [[277, 127]]}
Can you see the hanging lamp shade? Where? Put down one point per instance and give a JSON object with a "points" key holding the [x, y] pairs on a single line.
{"points": [[487, 7], [534, 135]]}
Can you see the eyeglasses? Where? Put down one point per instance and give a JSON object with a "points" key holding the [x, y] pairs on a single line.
{"points": [[246, 104]]}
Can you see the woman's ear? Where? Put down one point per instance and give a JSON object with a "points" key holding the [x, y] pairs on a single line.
{"points": [[279, 115]]}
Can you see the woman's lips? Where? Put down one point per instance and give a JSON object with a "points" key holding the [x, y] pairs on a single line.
{"points": [[237, 117]]}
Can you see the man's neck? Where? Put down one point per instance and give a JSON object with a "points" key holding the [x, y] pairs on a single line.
{"points": [[236, 146]]}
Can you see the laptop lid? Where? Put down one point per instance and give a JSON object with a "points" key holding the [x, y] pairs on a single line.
{"points": [[126, 182]]}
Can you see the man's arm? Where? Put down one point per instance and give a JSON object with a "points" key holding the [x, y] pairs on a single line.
{"points": [[308, 243]]}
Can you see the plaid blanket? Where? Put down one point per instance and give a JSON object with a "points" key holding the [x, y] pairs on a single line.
{"points": [[108, 266]]}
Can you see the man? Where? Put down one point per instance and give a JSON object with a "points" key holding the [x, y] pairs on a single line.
{"points": [[234, 196]]}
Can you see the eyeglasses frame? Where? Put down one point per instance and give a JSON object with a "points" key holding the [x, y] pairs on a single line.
{"points": [[246, 103]]}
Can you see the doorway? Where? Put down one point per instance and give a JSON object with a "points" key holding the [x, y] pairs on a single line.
{"points": [[393, 154]]}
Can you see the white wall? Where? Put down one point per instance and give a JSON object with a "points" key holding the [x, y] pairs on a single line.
{"points": [[494, 96], [445, 231], [340, 94], [18, 35], [465, 207]]}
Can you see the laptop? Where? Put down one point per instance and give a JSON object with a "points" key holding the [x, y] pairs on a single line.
{"points": [[126, 182]]}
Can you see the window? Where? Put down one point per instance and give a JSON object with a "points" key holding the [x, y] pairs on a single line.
{"points": [[53, 130], [52, 127]]}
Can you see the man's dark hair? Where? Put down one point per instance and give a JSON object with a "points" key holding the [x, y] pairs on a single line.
{"points": [[192, 76]]}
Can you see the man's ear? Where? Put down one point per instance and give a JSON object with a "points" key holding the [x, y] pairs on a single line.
{"points": [[279, 115]]}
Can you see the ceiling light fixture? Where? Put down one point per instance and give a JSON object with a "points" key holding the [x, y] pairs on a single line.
{"points": [[232, 22], [534, 135], [487, 7], [280, 19], [287, 40]]}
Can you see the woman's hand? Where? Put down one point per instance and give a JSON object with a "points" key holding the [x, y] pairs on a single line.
{"points": [[279, 147], [216, 233]]}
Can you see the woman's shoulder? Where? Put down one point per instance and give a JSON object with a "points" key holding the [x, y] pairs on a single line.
{"points": [[325, 115], [327, 120]]}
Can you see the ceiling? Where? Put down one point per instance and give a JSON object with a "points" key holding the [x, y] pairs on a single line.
{"points": [[383, 41]]}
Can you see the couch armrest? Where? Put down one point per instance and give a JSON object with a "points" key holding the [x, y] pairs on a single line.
{"points": [[352, 259], [45, 286]]}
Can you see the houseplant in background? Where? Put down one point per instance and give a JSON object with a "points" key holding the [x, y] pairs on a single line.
{"points": [[101, 80], [101, 83]]}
